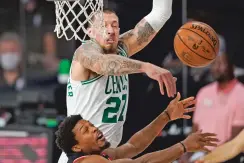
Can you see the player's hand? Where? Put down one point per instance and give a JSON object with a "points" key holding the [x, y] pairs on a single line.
{"points": [[199, 161], [164, 78], [177, 109], [198, 141]]}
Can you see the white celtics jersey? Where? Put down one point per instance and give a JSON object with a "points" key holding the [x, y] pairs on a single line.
{"points": [[103, 101]]}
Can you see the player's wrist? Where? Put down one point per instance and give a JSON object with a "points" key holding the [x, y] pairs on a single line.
{"points": [[166, 113], [145, 66], [183, 147]]}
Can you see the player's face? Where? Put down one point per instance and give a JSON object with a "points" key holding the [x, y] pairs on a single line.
{"points": [[90, 139], [219, 68], [110, 43]]}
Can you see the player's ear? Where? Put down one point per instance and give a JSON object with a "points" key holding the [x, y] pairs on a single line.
{"points": [[90, 32], [76, 148]]}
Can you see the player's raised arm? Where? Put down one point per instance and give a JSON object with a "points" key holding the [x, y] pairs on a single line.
{"points": [[91, 57], [194, 142], [142, 139], [226, 151], [143, 33]]}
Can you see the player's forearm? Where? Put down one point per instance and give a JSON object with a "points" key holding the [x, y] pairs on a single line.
{"points": [[168, 155], [117, 65], [110, 64], [230, 150], [142, 139]]}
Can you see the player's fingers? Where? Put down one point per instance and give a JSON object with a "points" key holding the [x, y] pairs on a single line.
{"points": [[168, 86], [206, 149], [178, 96], [199, 132], [210, 144], [212, 139], [186, 117], [174, 85], [208, 134], [188, 110], [188, 101], [168, 78], [175, 80], [161, 86], [208, 139]]}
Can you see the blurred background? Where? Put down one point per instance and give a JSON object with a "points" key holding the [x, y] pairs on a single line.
{"points": [[34, 64]]}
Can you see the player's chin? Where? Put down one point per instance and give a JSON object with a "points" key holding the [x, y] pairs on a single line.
{"points": [[110, 48], [103, 143]]}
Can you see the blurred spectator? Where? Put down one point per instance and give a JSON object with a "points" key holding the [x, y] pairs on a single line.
{"points": [[10, 61], [220, 105], [60, 91], [39, 27]]}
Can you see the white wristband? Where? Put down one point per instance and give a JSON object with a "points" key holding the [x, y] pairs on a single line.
{"points": [[161, 12]]}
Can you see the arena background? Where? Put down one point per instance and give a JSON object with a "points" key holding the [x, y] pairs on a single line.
{"points": [[32, 111]]}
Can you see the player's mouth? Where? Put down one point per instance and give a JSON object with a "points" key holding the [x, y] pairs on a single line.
{"points": [[100, 136], [110, 41]]}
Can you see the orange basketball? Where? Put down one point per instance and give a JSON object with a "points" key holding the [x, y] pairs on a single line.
{"points": [[196, 44]]}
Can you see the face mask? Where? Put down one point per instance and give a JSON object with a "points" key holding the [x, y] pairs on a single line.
{"points": [[9, 61]]}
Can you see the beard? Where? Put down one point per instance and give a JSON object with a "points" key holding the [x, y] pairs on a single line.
{"points": [[110, 50], [221, 79], [105, 146], [224, 77]]}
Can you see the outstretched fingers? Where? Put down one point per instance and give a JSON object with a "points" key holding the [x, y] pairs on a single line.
{"points": [[161, 85], [188, 102], [188, 110]]}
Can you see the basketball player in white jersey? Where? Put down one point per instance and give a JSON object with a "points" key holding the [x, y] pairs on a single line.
{"points": [[98, 87]]}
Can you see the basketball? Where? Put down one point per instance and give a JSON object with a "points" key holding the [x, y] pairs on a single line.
{"points": [[196, 44]]}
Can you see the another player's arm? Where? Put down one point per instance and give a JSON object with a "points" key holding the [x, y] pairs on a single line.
{"points": [[192, 143], [139, 141], [143, 138], [91, 57], [136, 39], [226, 151], [168, 155]]}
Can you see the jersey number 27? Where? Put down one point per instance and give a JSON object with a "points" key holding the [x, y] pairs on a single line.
{"points": [[114, 110]]}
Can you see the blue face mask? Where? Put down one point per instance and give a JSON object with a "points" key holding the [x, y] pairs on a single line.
{"points": [[10, 60]]}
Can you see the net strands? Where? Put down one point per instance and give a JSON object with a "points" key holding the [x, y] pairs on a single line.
{"points": [[74, 16]]}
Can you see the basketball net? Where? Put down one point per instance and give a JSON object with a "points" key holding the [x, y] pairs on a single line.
{"points": [[72, 16]]}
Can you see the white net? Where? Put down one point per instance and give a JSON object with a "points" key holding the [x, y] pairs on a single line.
{"points": [[74, 16]]}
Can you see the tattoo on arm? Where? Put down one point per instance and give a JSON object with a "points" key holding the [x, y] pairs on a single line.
{"points": [[139, 37], [144, 31], [106, 64]]}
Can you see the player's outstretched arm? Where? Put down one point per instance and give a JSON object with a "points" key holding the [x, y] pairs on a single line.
{"points": [[142, 139], [226, 151], [143, 33], [91, 57], [194, 142]]}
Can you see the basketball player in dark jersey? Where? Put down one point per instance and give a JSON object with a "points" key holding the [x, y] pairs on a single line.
{"points": [[84, 143]]}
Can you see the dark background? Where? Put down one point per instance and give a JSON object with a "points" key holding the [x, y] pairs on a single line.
{"points": [[146, 102]]}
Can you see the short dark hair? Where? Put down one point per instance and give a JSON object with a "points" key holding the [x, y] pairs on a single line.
{"points": [[106, 11], [65, 138]]}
